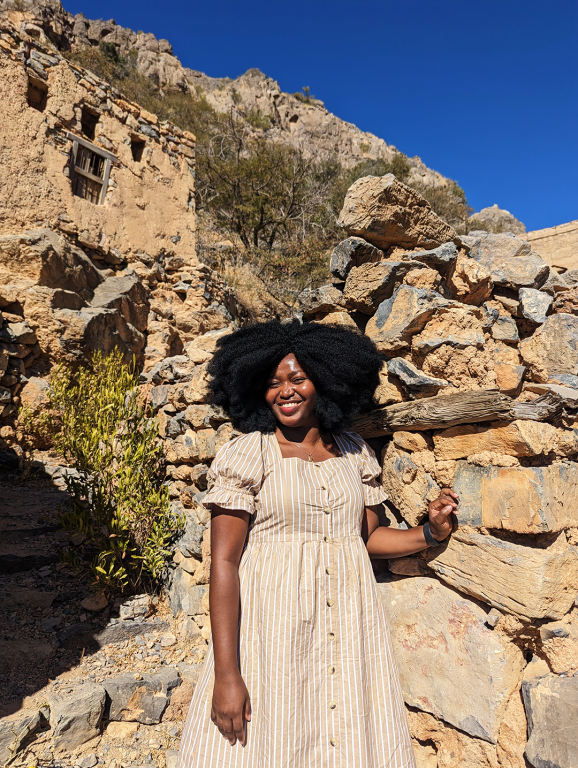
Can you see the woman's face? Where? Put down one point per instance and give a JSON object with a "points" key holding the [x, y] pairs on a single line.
{"points": [[291, 394]]}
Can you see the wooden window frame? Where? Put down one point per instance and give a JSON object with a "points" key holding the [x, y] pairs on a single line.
{"points": [[109, 159]]}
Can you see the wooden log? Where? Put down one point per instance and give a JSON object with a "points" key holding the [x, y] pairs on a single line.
{"points": [[545, 408], [436, 413]]}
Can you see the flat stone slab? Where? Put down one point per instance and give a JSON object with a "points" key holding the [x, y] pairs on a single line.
{"points": [[553, 348], [370, 284], [510, 260], [534, 304], [352, 252], [416, 383], [451, 665], [526, 581], [516, 438], [551, 704], [75, 717], [521, 499]]}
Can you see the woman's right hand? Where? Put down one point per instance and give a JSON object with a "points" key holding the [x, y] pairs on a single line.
{"points": [[231, 708]]}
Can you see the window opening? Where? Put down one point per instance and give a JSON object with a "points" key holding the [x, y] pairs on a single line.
{"points": [[88, 122], [37, 94], [90, 170], [137, 148]]}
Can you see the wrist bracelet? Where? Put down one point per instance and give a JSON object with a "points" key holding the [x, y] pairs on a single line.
{"points": [[430, 541]]}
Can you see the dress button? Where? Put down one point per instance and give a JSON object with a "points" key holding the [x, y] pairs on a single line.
{"points": [[327, 511], [332, 705], [333, 742], [323, 487], [331, 670], [328, 569], [329, 602], [326, 539], [331, 636]]}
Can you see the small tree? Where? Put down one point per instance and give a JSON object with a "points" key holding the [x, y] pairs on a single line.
{"points": [[120, 507]]}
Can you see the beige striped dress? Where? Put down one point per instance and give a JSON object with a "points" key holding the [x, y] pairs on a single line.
{"points": [[314, 646]]}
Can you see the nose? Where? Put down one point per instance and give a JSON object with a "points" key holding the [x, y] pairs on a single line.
{"points": [[287, 390]]}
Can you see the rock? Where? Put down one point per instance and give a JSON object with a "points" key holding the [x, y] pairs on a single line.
{"points": [[416, 383], [470, 282], [172, 758], [555, 283], [370, 284], [493, 618], [142, 701], [120, 730], [342, 319], [87, 761], [509, 378], [325, 299], [408, 566], [15, 730], [551, 705], [505, 329], [389, 389], [133, 607], [408, 487], [180, 702], [456, 327], [527, 581], [568, 396], [352, 252], [522, 499], [385, 212], [441, 257], [516, 438], [18, 333], [94, 603], [534, 304], [168, 640], [451, 665], [491, 458], [560, 645], [185, 594], [35, 394], [566, 302], [553, 348], [403, 315], [537, 667], [75, 717], [509, 260], [498, 220], [425, 278], [126, 294], [190, 542], [197, 390], [411, 441]]}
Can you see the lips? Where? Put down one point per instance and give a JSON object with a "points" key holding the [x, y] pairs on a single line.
{"points": [[289, 408]]}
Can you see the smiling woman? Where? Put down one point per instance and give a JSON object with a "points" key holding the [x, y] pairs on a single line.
{"points": [[299, 673]]}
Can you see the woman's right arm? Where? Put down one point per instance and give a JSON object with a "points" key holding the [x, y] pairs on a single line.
{"points": [[231, 705]]}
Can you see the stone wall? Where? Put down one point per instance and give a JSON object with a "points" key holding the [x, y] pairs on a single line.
{"points": [[486, 626]]}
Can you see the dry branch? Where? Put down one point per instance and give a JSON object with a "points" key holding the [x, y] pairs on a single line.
{"points": [[546, 408]]}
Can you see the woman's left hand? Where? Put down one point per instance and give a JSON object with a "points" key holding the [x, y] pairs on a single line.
{"points": [[440, 511]]}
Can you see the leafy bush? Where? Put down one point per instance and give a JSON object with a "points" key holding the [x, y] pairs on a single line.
{"points": [[120, 508], [449, 202]]}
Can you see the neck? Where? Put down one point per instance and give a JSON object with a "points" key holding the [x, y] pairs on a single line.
{"points": [[304, 434]]}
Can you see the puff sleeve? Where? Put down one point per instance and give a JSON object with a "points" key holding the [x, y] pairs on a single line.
{"points": [[237, 474], [370, 472]]}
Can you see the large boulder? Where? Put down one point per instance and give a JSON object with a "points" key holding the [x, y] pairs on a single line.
{"points": [[522, 499], [470, 282], [510, 260], [497, 220], [409, 487], [402, 316], [532, 582], [96, 328], [551, 704], [451, 665], [326, 298], [385, 212], [352, 252], [141, 701]]}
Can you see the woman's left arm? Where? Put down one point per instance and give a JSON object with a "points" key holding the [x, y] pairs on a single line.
{"points": [[394, 542]]}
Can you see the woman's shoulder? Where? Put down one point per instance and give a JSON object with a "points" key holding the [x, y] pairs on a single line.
{"points": [[355, 443], [246, 442]]}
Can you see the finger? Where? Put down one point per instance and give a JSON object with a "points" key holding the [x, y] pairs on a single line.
{"points": [[449, 492], [248, 710], [239, 726]]}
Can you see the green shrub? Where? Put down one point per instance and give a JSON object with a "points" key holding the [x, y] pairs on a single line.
{"points": [[257, 120], [449, 202], [120, 507]]}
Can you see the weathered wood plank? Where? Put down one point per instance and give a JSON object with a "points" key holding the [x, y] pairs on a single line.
{"points": [[545, 408], [437, 413]]}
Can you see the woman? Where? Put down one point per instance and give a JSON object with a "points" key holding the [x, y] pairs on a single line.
{"points": [[300, 673]]}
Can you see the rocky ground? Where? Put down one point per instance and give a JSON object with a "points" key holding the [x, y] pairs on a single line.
{"points": [[67, 658]]}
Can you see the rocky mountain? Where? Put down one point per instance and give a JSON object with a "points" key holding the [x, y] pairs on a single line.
{"points": [[294, 119]]}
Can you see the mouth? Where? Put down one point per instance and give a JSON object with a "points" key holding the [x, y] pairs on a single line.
{"points": [[290, 407]]}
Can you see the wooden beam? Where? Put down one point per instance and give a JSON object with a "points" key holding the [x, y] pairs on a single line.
{"points": [[545, 408], [436, 413]]}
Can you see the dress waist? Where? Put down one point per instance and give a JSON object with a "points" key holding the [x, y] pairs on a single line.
{"points": [[276, 538]]}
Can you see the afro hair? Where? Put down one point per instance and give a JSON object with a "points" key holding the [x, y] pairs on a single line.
{"points": [[343, 365]]}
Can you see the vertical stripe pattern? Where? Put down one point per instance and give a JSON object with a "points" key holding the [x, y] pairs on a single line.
{"points": [[315, 650]]}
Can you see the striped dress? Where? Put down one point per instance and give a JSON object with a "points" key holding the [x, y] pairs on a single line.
{"points": [[314, 646]]}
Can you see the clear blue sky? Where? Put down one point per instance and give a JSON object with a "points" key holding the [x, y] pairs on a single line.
{"points": [[484, 91]]}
